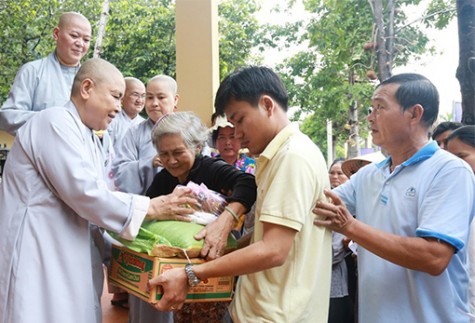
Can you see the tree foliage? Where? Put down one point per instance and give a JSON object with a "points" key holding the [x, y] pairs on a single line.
{"points": [[27, 29], [334, 77], [139, 37], [240, 33]]}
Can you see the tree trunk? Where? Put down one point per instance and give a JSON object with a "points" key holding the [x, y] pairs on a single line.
{"points": [[354, 138], [382, 35], [353, 141], [466, 69], [101, 29]]}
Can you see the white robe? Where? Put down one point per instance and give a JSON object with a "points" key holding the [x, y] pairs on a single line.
{"points": [[132, 167], [38, 85], [52, 189]]}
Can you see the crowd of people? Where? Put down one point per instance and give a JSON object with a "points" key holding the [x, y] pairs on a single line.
{"points": [[386, 239]]}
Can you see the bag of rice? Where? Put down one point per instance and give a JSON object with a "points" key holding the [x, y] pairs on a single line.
{"points": [[169, 239]]}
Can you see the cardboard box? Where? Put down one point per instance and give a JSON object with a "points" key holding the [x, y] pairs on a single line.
{"points": [[131, 271]]}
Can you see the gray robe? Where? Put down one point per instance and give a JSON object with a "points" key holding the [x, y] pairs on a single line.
{"points": [[52, 189], [38, 85], [119, 126], [133, 172], [132, 166]]}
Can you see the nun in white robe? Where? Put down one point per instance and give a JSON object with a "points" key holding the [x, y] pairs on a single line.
{"points": [[38, 85], [46, 205]]}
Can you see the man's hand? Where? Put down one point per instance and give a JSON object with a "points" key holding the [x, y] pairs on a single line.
{"points": [[334, 216], [174, 283]]}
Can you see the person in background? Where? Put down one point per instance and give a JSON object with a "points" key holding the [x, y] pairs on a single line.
{"points": [[341, 305], [179, 138], [412, 213], [45, 213], [336, 174], [461, 143], [47, 82], [132, 104], [228, 149], [443, 130], [229, 146], [277, 281], [136, 161]]}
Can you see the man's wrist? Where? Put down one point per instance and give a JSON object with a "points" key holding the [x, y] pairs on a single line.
{"points": [[193, 280]]}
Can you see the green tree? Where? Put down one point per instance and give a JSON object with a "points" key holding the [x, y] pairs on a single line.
{"points": [[335, 77], [240, 33], [139, 37], [27, 28]]}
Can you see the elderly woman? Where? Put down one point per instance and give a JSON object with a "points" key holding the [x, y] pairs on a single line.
{"points": [[179, 138]]}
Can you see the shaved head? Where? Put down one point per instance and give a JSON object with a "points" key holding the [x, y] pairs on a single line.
{"points": [[97, 70], [165, 79], [97, 91], [72, 37], [129, 80], [68, 17]]}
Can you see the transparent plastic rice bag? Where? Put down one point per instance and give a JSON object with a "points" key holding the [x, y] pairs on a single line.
{"points": [[212, 203]]}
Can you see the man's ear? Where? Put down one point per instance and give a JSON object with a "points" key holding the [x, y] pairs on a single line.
{"points": [[55, 33], [86, 87], [416, 112], [267, 103]]}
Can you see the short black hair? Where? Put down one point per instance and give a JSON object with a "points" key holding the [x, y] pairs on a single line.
{"points": [[444, 126], [416, 89], [466, 134], [249, 84]]}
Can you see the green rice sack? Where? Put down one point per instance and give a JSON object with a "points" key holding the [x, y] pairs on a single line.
{"points": [[169, 238]]}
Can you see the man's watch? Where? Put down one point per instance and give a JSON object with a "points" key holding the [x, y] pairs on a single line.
{"points": [[193, 280]]}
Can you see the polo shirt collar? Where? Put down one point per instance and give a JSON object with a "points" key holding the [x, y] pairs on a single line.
{"points": [[275, 144], [422, 154]]}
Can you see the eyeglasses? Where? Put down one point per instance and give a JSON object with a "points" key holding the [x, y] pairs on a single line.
{"points": [[137, 96]]}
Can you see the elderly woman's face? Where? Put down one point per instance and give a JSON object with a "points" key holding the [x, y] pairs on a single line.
{"points": [[176, 157]]}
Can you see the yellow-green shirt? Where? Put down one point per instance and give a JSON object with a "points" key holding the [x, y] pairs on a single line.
{"points": [[291, 175]]}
